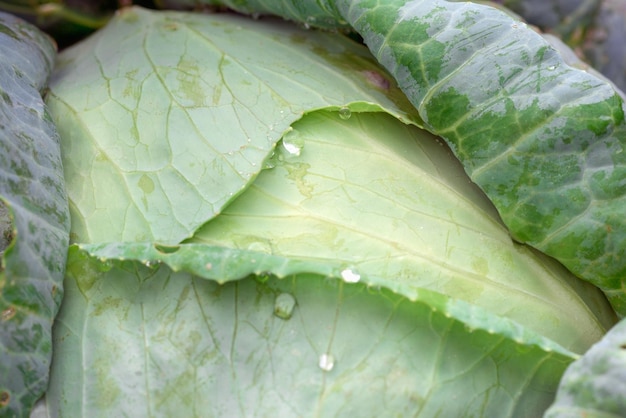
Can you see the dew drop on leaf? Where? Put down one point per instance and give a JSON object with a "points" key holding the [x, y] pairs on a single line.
{"points": [[326, 362], [151, 263], [271, 162], [293, 142], [345, 113], [350, 276], [284, 305]]}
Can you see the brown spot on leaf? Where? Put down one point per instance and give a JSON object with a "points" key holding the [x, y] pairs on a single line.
{"points": [[4, 398], [8, 313], [376, 79]]}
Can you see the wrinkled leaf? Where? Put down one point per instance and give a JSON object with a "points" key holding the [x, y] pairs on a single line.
{"points": [[594, 385], [33, 217], [143, 341], [169, 115]]}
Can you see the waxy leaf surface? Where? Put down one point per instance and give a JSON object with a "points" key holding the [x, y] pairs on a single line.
{"points": [[33, 217]]}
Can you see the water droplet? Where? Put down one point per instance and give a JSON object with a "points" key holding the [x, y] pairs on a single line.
{"points": [[309, 21], [514, 25], [151, 263], [293, 142], [350, 276], [326, 362], [552, 68], [345, 113], [270, 162], [284, 305]]}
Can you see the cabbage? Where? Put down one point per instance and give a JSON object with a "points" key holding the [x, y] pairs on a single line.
{"points": [[262, 223]]}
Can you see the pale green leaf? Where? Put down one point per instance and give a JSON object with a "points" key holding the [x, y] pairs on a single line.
{"points": [[165, 117], [143, 341], [389, 200], [386, 201]]}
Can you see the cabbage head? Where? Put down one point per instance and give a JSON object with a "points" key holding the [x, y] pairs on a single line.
{"points": [[261, 226], [396, 208]]}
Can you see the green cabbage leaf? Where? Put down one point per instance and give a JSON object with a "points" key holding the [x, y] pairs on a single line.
{"points": [[594, 386], [135, 340], [173, 115], [34, 221]]}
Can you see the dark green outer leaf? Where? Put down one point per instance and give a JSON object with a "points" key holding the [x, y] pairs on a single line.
{"points": [[544, 141], [595, 385], [36, 223]]}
